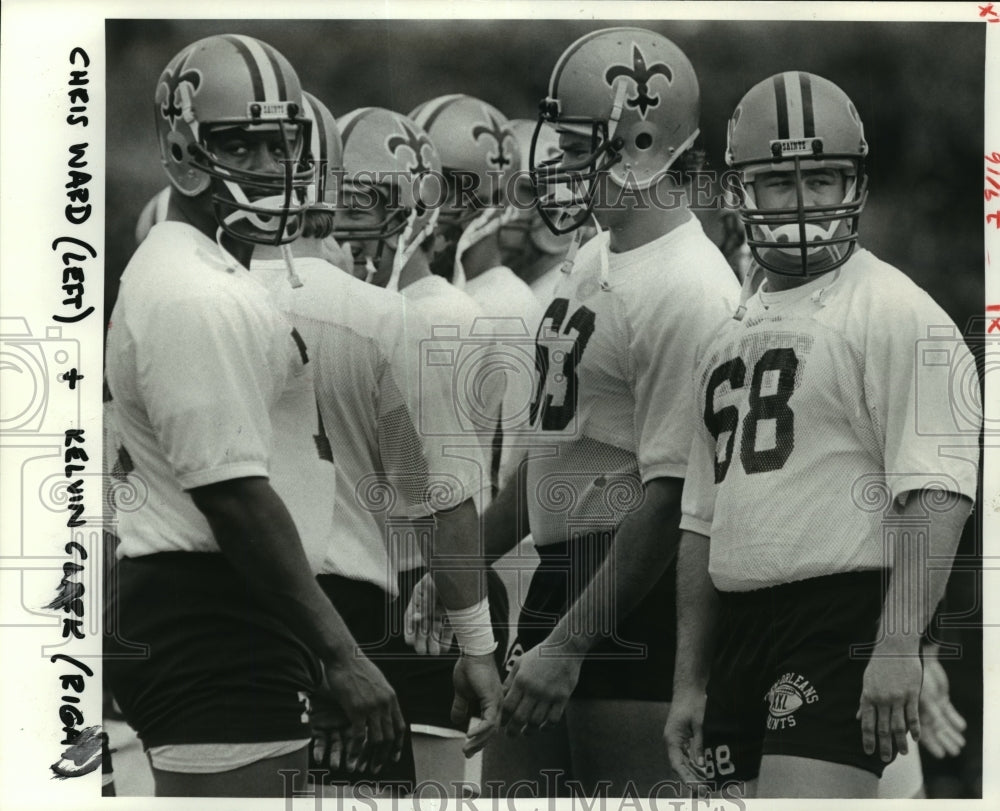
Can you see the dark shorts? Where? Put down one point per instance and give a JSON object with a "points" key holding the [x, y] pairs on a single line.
{"points": [[787, 674], [219, 667], [423, 684], [636, 658]]}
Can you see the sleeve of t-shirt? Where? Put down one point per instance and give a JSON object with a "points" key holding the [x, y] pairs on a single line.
{"points": [[206, 377], [922, 392], [665, 350]]}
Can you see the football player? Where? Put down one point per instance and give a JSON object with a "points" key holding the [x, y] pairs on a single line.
{"points": [[389, 254], [822, 369], [212, 576], [391, 415], [481, 162], [602, 492]]}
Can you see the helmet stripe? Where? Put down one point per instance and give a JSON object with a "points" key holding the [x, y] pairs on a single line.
{"points": [[255, 77], [279, 74], [318, 140], [430, 111], [793, 92], [808, 122], [348, 122], [781, 103]]}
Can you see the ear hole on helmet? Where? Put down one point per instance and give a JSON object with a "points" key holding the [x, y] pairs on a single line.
{"points": [[176, 152], [643, 140]]}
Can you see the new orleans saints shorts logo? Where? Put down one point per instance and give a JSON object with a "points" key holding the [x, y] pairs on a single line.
{"points": [[786, 696]]}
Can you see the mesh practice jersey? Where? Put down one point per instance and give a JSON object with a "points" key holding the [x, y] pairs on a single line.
{"points": [[502, 295], [612, 407], [200, 365], [386, 418], [816, 412]]}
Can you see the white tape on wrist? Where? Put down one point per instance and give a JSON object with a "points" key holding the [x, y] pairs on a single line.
{"points": [[473, 628]]}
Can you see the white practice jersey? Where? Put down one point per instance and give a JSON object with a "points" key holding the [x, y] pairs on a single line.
{"points": [[506, 298], [380, 412], [817, 411], [612, 409], [200, 365]]}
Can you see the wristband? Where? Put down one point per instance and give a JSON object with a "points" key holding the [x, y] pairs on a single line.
{"points": [[473, 628]]}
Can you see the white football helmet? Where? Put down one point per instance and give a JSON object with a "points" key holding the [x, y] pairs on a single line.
{"points": [[635, 94], [388, 154], [794, 122], [225, 81]]}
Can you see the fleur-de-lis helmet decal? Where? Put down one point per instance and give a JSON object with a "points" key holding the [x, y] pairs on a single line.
{"points": [[635, 93], [641, 74]]}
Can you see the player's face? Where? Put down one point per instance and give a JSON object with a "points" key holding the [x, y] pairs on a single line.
{"points": [[364, 210], [576, 148], [820, 187], [266, 149]]}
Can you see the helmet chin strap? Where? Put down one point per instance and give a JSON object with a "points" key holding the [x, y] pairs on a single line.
{"points": [[409, 243], [486, 223], [793, 232], [293, 277], [254, 217]]}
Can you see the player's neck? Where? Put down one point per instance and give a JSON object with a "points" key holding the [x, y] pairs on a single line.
{"points": [[198, 213], [779, 282], [646, 220]]}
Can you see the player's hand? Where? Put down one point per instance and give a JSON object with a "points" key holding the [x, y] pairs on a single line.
{"points": [[538, 688], [477, 692], [328, 725], [889, 702], [940, 723], [425, 625], [683, 735], [372, 726]]}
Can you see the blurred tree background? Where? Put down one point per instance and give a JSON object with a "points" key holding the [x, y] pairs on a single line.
{"points": [[919, 88]]}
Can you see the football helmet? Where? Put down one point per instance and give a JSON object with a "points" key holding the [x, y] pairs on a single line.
{"points": [[795, 122], [480, 155], [635, 94], [228, 81], [326, 151], [526, 231], [387, 154]]}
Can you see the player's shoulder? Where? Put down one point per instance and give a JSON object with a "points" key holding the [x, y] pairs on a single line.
{"points": [[872, 294], [178, 266]]}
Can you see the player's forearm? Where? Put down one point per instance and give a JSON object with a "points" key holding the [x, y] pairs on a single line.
{"points": [[644, 545], [506, 519], [256, 533], [455, 558], [697, 613], [920, 566]]}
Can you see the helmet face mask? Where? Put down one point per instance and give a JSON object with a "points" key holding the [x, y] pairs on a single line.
{"points": [[257, 206], [229, 84], [526, 238], [566, 190], [797, 124], [635, 96]]}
